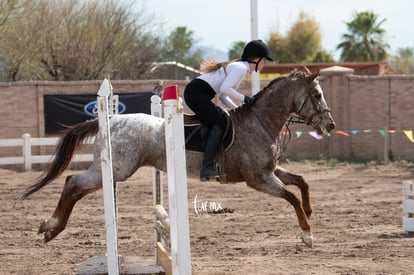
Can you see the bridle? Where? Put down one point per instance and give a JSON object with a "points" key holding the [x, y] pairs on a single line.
{"points": [[300, 118], [317, 107]]}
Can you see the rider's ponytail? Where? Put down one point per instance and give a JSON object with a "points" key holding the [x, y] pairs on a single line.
{"points": [[208, 66]]}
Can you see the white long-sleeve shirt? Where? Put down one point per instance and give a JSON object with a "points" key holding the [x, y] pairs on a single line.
{"points": [[227, 81]]}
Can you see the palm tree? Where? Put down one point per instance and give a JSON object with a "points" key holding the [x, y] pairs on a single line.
{"points": [[365, 40]]}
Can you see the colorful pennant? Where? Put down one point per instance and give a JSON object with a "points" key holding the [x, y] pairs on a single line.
{"points": [[315, 135], [382, 132]]}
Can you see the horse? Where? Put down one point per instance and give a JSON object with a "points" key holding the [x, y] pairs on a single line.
{"points": [[139, 140]]}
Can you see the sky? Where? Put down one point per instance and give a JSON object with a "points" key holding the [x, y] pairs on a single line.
{"points": [[219, 23]]}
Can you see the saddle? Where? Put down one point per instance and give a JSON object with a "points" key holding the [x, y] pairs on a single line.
{"points": [[196, 132], [196, 135]]}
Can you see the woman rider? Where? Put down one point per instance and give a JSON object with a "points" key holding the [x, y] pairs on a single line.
{"points": [[223, 79]]}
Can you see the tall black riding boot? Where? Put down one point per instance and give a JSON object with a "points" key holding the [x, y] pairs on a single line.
{"points": [[213, 140]]}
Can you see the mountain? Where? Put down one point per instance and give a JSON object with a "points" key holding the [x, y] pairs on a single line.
{"points": [[214, 54]]}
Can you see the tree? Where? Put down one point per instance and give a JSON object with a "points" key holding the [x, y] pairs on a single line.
{"points": [[304, 38], [302, 44], [179, 46], [236, 50], [277, 45], [77, 40], [404, 60], [365, 39], [321, 56], [19, 35], [7, 9]]}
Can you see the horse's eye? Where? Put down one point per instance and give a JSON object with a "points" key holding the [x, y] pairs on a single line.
{"points": [[318, 96]]}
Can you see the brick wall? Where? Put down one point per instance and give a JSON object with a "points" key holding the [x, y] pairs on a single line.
{"points": [[363, 103], [22, 102], [357, 103]]}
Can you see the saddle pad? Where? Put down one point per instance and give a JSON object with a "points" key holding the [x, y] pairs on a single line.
{"points": [[196, 135]]}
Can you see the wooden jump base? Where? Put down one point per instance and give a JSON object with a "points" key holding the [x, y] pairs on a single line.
{"points": [[134, 265], [131, 265], [163, 244]]}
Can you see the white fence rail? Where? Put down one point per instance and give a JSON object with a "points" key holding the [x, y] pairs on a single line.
{"points": [[27, 159]]}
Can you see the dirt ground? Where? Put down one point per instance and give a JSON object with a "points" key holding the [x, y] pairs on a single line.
{"points": [[357, 224]]}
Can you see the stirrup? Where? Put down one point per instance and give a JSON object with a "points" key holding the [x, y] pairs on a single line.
{"points": [[211, 173]]}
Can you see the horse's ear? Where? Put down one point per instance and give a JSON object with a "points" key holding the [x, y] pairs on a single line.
{"points": [[317, 74], [306, 69], [312, 77]]}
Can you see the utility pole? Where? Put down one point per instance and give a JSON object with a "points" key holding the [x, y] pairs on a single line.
{"points": [[254, 34]]}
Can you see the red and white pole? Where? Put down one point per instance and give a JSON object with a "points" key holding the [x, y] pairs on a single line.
{"points": [[177, 181]]}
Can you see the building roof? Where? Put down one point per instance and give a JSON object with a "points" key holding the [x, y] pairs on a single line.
{"points": [[172, 70], [360, 68]]}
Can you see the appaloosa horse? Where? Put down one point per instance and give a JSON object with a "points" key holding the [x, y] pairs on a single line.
{"points": [[138, 140]]}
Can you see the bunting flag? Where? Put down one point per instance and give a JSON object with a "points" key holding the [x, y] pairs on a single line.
{"points": [[315, 135], [340, 132], [347, 133], [409, 134]]}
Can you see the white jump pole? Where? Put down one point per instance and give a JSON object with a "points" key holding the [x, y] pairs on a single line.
{"points": [[104, 137], [157, 175], [408, 205], [177, 182]]}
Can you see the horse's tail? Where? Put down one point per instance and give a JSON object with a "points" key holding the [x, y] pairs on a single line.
{"points": [[65, 149]]}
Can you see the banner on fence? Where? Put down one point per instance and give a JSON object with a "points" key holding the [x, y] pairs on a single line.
{"points": [[72, 109]]}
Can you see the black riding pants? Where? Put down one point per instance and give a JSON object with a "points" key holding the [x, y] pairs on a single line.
{"points": [[198, 95]]}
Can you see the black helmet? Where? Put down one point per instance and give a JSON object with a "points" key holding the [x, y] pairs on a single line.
{"points": [[256, 48]]}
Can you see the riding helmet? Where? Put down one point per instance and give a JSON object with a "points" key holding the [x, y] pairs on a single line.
{"points": [[256, 48]]}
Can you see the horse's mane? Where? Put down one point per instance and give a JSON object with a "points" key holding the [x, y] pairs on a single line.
{"points": [[294, 73]]}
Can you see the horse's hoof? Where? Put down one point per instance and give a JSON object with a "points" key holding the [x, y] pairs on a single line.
{"points": [[48, 227], [44, 226], [49, 236], [308, 240]]}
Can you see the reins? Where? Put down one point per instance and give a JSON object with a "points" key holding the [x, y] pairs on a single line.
{"points": [[263, 126], [280, 149]]}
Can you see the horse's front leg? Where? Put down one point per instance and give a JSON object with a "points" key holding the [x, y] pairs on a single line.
{"points": [[291, 179], [272, 185], [75, 188]]}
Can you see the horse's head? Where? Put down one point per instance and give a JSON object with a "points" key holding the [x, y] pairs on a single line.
{"points": [[310, 105]]}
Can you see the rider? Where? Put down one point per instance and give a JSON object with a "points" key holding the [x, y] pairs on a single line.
{"points": [[222, 78]]}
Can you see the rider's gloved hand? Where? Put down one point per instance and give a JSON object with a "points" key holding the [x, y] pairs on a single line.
{"points": [[249, 100]]}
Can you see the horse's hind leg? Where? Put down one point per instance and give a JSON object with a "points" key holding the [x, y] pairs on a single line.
{"points": [[75, 188], [291, 179], [275, 187]]}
